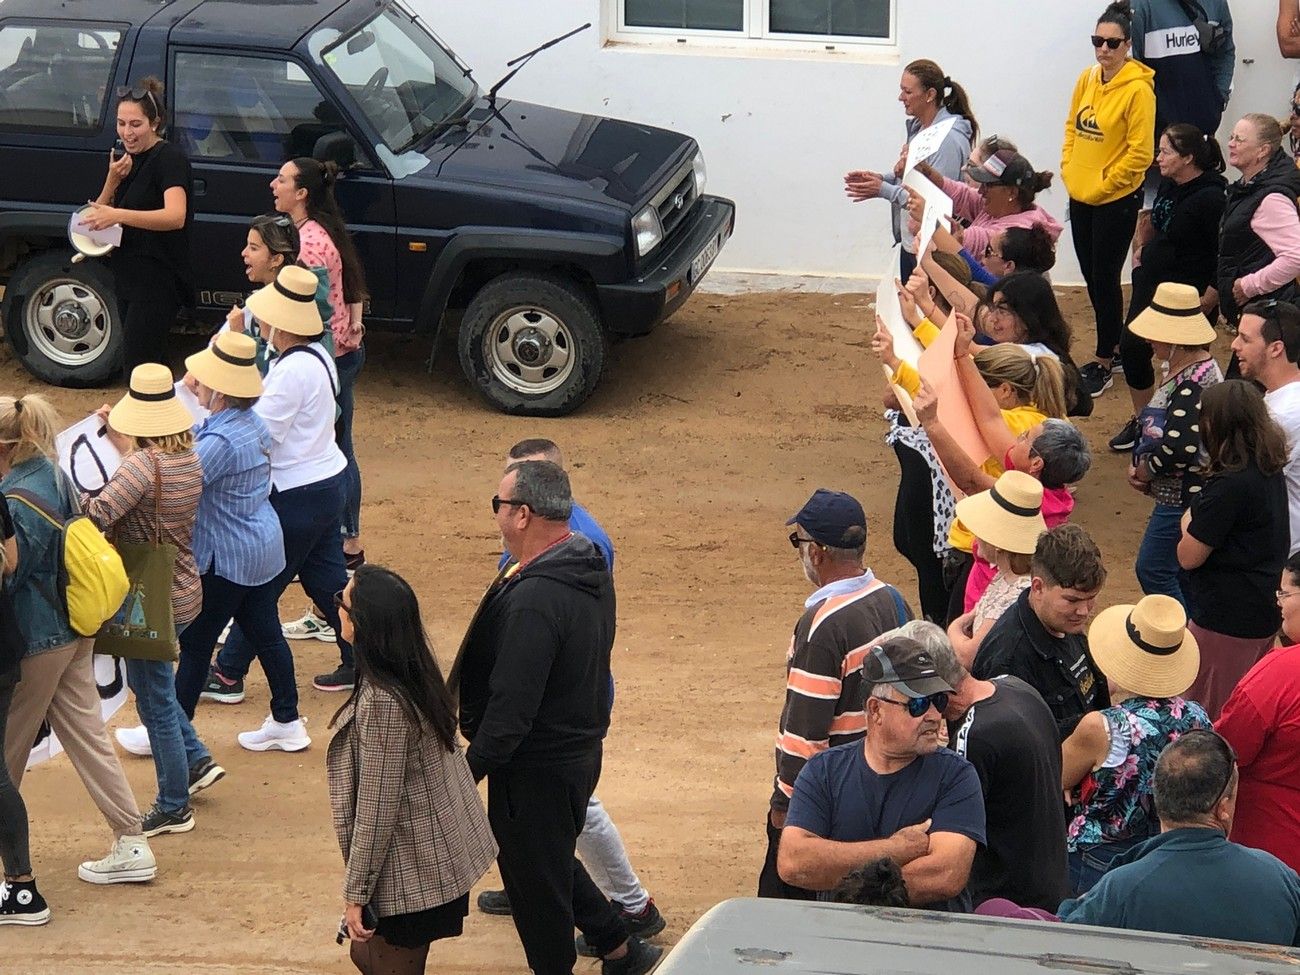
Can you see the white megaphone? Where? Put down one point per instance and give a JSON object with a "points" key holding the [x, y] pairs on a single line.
{"points": [[91, 243]]}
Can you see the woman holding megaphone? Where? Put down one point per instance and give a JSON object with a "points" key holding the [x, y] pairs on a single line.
{"points": [[147, 191]]}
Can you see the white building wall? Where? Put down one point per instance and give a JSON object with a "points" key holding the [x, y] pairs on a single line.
{"points": [[779, 128]]}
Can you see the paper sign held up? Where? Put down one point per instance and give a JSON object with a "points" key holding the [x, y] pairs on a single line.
{"points": [[940, 371], [86, 455], [938, 206], [906, 347], [927, 142]]}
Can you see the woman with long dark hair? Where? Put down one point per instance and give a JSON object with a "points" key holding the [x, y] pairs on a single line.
{"points": [[304, 190], [1109, 138], [1179, 242], [409, 821], [1235, 539]]}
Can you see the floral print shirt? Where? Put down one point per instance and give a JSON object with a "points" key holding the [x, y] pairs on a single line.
{"points": [[1116, 801]]}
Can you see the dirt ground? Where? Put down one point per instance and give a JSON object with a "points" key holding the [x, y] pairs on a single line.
{"points": [[702, 440]]}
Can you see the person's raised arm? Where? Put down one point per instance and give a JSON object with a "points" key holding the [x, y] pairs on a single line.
{"points": [[959, 296], [988, 415], [807, 860], [966, 474], [943, 872], [1288, 28]]}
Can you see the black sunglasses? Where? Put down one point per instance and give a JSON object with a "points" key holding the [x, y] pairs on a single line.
{"points": [[498, 502], [1111, 42], [796, 541], [137, 95], [918, 706], [340, 604], [1295, 109]]}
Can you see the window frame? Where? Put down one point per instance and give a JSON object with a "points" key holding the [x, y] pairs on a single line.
{"points": [[125, 38], [754, 35], [365, 149]]}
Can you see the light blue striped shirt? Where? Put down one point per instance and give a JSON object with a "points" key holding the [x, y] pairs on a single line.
{"points": [[237, 533]]}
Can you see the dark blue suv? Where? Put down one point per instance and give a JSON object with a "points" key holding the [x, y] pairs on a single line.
{"points": [[550, 231]]}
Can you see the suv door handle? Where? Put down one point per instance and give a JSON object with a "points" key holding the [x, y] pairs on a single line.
{"points": [[200, 187]]}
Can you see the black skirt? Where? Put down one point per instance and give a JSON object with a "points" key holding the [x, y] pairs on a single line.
{"points": [[420, 927]]}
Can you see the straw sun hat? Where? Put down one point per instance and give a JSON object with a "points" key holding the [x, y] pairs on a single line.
{"points": [[150, 407], [228, 365], [1174, 316], [289, 302], [1146, 648], [1008, 515]]}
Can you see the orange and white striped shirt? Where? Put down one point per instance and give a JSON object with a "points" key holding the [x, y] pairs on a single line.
{"points": [[823, 693]]}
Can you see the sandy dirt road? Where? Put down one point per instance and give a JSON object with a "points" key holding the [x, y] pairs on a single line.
{"points": [[702, 440]]}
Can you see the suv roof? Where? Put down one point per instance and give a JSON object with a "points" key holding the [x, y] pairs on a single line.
{"points": [[265, 24]]}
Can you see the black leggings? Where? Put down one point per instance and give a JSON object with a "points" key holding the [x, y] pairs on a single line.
{"points": [[146, 328], [914, 531], [378, 957], [14, 850], [1102, 235], [1136, 352]]}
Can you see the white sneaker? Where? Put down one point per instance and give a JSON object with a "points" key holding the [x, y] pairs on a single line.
{"points": [[130, 861], [225, 633], [135, 740], [309, 627], [290, 737]]}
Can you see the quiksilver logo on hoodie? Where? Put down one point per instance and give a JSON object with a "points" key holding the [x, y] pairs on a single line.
{"points": [[1085, 123]]}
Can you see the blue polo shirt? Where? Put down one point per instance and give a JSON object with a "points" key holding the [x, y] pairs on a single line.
{"points": [[580, 521]]}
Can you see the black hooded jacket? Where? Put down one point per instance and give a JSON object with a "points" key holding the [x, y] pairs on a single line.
{"points": [[534, 669]]}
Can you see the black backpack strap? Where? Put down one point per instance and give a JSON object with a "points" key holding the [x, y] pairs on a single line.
{"points": [[314, 350]]}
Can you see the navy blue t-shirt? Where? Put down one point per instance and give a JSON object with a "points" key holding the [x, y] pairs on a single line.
{"points": [[838, 797]]}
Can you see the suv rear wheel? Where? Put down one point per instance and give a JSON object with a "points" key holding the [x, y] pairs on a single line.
{"points": [[62, 320], [532, 344]]}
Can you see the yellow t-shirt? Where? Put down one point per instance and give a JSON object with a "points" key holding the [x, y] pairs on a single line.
{"points": [[1018, 420], [905, 375]]}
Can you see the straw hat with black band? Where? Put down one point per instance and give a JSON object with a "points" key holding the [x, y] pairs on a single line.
{"points": [[1174, 316], [289, 303], [150, 407], [1008, 515], [228, 366], [1146, 648]]}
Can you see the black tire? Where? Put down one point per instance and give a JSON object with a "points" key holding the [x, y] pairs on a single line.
{"points": [[62, 320], [532, 344]]}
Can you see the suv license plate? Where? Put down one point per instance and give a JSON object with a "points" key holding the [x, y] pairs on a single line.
{"points": [[702, 260]]}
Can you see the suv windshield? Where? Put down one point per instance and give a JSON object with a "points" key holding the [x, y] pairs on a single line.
{"points": [[403, 80]]}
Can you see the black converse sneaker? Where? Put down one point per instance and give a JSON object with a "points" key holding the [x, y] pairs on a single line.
{"points": [[156, 821], [22, 903]]}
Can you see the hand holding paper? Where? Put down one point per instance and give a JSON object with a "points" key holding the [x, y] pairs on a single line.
{"points": [[938, 206]]}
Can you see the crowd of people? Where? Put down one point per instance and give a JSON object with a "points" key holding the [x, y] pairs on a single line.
{"points": [[996, 745], [1008, 749]]}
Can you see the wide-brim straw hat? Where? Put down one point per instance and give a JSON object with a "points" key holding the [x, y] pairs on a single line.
{"points": [[228, 365], [1146, 648], [150, 408], [1008, 515], [289, 302], [1174, 316]]}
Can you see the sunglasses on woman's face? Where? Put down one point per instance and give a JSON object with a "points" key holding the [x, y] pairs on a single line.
{"points": [[1295, 110], [1111, 42]]}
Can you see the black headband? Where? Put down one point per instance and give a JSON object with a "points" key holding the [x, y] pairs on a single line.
{"points": [[1014, 509], [1149, 647], [1176, 312], [152, 397], [291, 295], [234, 360]]}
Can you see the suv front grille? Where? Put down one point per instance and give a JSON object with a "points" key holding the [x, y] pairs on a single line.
{"points": [[677, 202]]}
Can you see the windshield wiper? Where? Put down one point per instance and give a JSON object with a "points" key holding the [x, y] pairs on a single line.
{"points": [[525, 58]]}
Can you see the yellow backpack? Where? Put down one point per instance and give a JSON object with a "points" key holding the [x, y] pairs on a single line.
{"points": [[91, 573]]}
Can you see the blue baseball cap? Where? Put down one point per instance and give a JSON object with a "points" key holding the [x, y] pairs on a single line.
{"points": [[833, 518]]}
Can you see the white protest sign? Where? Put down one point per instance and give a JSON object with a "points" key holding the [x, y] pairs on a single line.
{"points": [[110, 682], [938, 206], [906, 347], [86, 455], [189, 401], [927, 142]]}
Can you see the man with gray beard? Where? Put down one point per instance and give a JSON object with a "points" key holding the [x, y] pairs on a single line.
{"points": [[846, 615]]}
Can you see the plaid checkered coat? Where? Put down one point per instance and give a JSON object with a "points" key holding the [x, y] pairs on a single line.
{"points": [[408, 817]]}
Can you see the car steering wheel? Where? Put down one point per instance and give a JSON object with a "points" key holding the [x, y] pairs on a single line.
{"points": [[371, 87]]}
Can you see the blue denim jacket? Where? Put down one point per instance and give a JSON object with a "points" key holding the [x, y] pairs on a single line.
{"points": [[38, 603]]}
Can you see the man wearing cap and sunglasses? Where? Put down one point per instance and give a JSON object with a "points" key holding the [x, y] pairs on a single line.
{"points": [[849, 611], [896, 794], [1190, 879]]}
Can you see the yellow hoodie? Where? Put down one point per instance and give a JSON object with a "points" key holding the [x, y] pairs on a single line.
{"points": [[1110, 134]]}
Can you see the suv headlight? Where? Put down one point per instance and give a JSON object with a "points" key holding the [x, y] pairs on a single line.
{"points": [[701, 173], [648, 230]]}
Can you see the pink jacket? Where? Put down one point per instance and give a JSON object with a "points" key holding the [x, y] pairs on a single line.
{"points": [[1276, 224], [968, 204]]}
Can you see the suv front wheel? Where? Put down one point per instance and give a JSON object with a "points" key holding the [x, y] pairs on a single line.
{"points": [[532, 344], [62, 320]]}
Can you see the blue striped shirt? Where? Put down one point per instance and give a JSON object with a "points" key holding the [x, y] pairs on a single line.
{"points": [[237, 533]]}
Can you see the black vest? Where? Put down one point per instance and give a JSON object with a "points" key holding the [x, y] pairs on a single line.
{"points": [[1241, 251]]}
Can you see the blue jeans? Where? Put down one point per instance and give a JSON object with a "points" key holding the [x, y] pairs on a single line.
{"points": [[349, 367], [254, 610], [176, 748], [313, 551], [1088, 864], [1157, 566]]}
